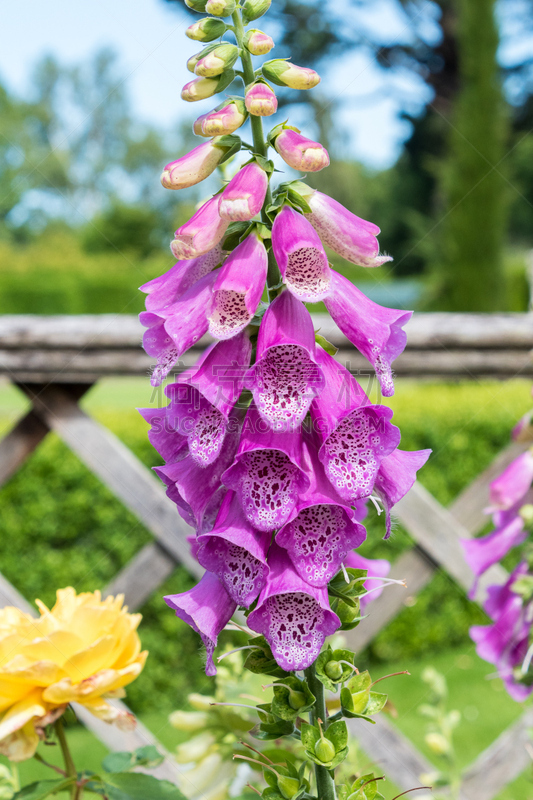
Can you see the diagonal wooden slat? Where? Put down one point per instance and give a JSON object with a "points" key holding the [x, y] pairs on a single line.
{"points": [[117, 467], [142, 575]]}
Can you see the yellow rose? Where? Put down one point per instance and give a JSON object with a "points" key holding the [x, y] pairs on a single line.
{"points": [[83, 650]]}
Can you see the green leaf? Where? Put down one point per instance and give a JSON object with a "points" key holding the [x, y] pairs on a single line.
{"points": [[148, 756], [42, 789], [310, 736], [234, 234], [227, 77], [325, 345], [136, 786], [337, 733], [297, 200]]}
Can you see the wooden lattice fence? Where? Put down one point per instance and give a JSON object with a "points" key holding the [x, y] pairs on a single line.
{"points": [[55, 360]]}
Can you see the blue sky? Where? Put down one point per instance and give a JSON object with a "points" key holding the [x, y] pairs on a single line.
{"points": [[149, 38]]}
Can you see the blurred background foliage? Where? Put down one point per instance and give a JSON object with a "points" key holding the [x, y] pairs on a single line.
{"points": [[82, 215]]}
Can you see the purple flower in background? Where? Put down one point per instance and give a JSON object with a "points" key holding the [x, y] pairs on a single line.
{"points": [[523, 430], [201, 233], [482, 553], [350, 236], [202, 399], [172, 332], [235, 552], [166, 289], [513, 484], [505, 643], [323, 532], [376, 567], [268, 472], [396, 475], [377, 332], [207, 608], [300, 256], [285, 376], [356, 435], [244, 195], [238, 288], [294, 617]]}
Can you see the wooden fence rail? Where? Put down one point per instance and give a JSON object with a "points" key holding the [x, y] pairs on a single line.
{"points": [[55, 360]]}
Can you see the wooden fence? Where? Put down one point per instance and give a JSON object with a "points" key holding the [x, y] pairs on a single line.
{"points": [[55, 360]]}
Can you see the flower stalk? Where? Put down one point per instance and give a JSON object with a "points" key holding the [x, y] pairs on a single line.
{"points": [[325, 784], [70, 769]]}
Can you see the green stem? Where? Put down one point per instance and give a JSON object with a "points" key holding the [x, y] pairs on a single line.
{"points": [[70, 769], [325, 784], [260, 145]]}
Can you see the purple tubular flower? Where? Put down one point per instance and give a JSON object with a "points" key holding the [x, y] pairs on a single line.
{"points": [[267, 473], [201, 233], [396, 476], [198, 491], [166, 289], [244, 195], [356, 435], [505, 643], [202, 400], [377, 332], [350, 236], [285, 376], [482, 553], [323, 532], [294, 617], [173, 331], [235, 552], [238, 288], [301, 257], [377, 567], [207, 608], [513, 484], [170, 444]]}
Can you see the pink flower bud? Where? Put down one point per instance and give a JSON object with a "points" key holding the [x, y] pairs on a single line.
{"points": [[193, 167], [244, 195], [220, 8], [260, 100], [199, 89], [201, 233], [258, 43], [216, 61], [206, 30], [225, 119], [301, 153], [283, 73], [197, 125]]}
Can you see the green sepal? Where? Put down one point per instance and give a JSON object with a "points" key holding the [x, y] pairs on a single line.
{"points": [[347, 611], [355, 588], [280, 702], [261, 661], [272, 793], [231, 142], [357, 699], [227, 77], [297, 200], [360, 682], [364, 788], [336, 733], [276, 130], [234, 236], [323, 660], [325, 345]]}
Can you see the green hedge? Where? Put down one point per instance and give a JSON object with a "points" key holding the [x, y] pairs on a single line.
{"points": [[59, 526]]}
